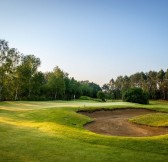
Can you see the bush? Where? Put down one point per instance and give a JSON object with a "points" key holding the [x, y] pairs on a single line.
{"points": [[135, 95], [85, 98], [101, 95]]}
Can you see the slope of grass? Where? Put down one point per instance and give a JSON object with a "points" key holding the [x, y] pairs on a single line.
{"points": [[158, 119], [53, 131]]}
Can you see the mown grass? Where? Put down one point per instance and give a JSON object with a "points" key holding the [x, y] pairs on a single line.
{"points": [[158, 119], [53, 131]]}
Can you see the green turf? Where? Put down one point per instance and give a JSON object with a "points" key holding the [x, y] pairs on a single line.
{"points": [[158, 119], [53, 132]]}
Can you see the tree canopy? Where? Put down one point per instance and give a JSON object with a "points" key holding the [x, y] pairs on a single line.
{"points": [[153, 82], [21, 80]]}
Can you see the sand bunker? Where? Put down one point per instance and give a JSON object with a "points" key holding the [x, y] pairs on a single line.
{"points": [[115, 122]]}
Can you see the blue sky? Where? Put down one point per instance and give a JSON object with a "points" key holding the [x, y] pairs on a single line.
{"points": [[92, 40]]}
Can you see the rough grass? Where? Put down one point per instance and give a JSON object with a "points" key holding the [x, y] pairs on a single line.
{"points": [[53, 131]]}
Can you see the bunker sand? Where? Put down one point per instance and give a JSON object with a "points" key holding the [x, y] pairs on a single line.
{"points": [[116, 122]]}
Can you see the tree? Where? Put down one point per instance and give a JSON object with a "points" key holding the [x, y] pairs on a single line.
{"points": [[161, 83], [56, 82], [94, 89], [13, 60], [21, 80], [3, 50], [9, 61], [155, 83], [26, 72], [37, 82], [151, 84], [74, 88]]}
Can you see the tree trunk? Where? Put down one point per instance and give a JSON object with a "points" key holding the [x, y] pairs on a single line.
{"points": [[29, 88], [55, 97], [0, 93], [16, 94]]}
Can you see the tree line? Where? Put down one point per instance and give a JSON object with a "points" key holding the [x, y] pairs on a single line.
{"points": [[155, 83], [21, 80]]}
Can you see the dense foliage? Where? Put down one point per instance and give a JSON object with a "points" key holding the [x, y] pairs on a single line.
{"points": [[152, 82], [85, 98], [135, 95], [101, 95], [21, 80]]}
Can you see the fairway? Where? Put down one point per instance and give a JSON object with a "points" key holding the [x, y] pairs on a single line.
{"points": [[53, 131]]}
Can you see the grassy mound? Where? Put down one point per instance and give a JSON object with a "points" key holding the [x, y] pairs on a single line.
{"points": [[158, 119]]}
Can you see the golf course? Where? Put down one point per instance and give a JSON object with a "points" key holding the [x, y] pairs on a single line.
{"points": [[84, 81], [55, 131]]}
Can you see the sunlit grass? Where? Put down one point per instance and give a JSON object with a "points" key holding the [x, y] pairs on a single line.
{"points": [[50, 104], [158, 119], [53, 131]]}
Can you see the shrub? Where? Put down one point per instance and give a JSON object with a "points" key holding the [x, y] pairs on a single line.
{"points": [[135, 95], [101, 95], [85, 98]]}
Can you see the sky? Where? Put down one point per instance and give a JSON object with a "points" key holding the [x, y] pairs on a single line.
{"points": [[94, 40]]}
